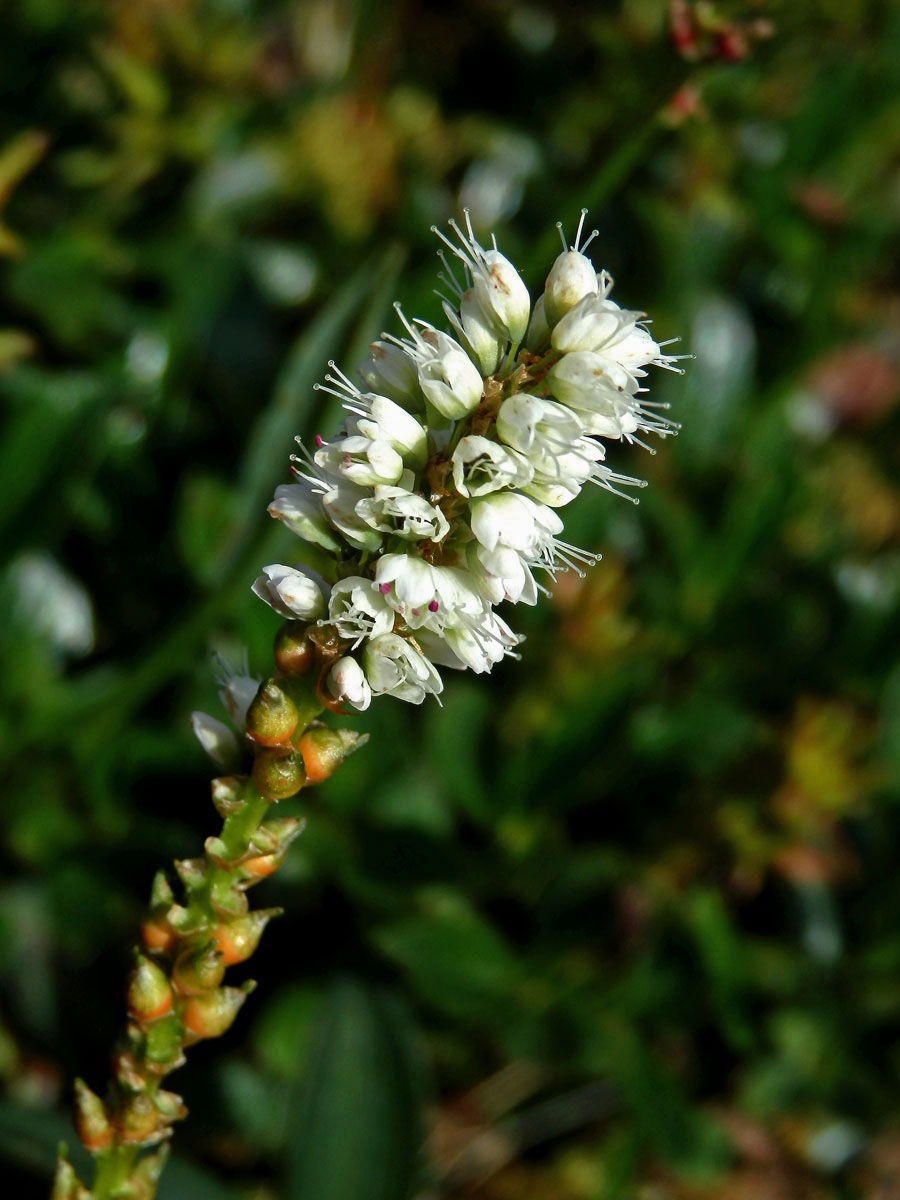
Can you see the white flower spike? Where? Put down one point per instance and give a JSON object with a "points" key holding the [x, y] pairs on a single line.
{"points": [[438, 499]]}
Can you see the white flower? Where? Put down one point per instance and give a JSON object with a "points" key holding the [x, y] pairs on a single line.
{"points": [[448, 378], [571, 278], [360, 460], [594, 323], [408, 580], [412, 583], [219, 742], [501, 574], [480, 644], [396, 511], [476, 331], [378, 418], [357, 609], [507, 519], [481, 466], [436, 518], [347, 683], [382, 420], [538, 428], [558, 478], [294, 592], [390, 371], [530, 528], [495, 282], [339, 505], [237, 689], [301, 511], [600, 391], [394, 665]]}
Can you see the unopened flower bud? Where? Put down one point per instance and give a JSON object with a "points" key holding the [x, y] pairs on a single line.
{"points": [[169, 1105], [276, 834], [219, 742], [211, 1014], [191, 872], [228, 794], [161, 894], [66, 1185], [237, 940], [145, 1174], [499, 287], [292, 591], [260, 867], [138, 1121], [198, 970], [347, 683], [571, 278], [324, 750], [158, 935], [272, 716], [294, 652], [149, 993], [160, 1049], [91, 1119], [278, 772], [156, 931]]}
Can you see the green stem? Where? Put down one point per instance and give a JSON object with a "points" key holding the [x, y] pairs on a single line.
{"points": [[113, 1170]]}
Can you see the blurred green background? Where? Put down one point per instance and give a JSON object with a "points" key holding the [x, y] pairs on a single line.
{"points": [[622, 920]]}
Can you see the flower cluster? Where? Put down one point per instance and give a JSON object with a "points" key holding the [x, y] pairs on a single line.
{"points": [[438, 500]]}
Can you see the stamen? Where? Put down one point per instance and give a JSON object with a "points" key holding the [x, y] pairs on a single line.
{"points": [[584, 213], [594, 233]]}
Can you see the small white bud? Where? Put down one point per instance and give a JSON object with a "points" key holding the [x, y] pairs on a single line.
{"points": [[571, 278], [348, 684], [293, 592]]}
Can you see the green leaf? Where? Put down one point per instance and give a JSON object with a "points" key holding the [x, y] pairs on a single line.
{"points": [[356, 1130], [454, 958]]}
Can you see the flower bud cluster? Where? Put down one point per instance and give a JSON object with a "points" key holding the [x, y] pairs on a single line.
{"points": [[438, 499]]}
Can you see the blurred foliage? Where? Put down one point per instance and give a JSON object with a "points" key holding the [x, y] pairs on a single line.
{"points": [[622, 920]]}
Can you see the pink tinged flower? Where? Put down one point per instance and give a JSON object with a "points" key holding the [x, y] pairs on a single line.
{"points": [[293, 592], [412, 580], [357, 608], [347, 683], [361, 460]]}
